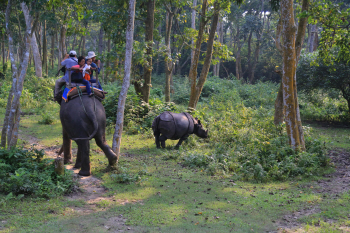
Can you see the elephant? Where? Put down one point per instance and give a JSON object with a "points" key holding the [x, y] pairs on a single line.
{"points": [[84, 118], [175, 126]]}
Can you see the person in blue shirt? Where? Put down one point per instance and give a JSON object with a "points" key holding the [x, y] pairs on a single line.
{"points": [[68, 61]]}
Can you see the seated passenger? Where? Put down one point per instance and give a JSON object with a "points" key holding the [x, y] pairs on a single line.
{"points": [[68, 61], [80, 68], [94, 67]]}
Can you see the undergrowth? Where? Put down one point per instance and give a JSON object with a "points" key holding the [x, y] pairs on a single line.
{"points": [[26, 172]]}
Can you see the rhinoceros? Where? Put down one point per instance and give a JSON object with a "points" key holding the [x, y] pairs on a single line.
{"points": [[169, 125]]}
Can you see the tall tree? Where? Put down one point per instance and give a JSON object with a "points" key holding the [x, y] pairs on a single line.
{"points": [[117, 136], [45, 63], [36, 56], [289, 40], [12, 115], [144, 89]]}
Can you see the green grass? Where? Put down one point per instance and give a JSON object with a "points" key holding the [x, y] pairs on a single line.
{"points": [[169, 198]]}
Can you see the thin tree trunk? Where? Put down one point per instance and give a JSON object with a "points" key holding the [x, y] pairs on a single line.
{"points": [[52, 50], [194, 97], [193, 24], [36, 55], [147, 76], [194, 64], [312, 38], [45, 65], [117, 136], [12, 115], [74, 41], [3, 53], [58, 51], [100, 48], [108, 64], [63, 42], [169, 63]]}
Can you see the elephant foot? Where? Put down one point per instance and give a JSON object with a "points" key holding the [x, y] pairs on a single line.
{"points": [[112, 161], [77, 165], [68, 161], [84, 173]]}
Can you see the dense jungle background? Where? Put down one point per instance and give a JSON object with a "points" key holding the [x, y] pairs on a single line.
{"points": [[247, 176]]}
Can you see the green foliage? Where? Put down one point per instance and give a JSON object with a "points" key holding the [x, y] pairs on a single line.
{"points": [[125, 176], [336, 33], [314, 75], [25, 172], [138, 115], [47, 118]]}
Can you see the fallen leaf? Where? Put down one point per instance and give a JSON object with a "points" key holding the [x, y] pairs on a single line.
{"points": [[196, 223]]}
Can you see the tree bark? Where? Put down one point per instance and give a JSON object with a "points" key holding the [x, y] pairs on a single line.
{"points": [[291, 49], [52, 51], [45, 65], [36, 55], [147, 76], [12, 115], [108, 64], [117, 136], [197, 90], [63, 42], [194, 64], [169, 63], [193, 25], [100, 48]]}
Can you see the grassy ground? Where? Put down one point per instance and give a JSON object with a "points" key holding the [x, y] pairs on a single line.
{"points": [[173, 198]]}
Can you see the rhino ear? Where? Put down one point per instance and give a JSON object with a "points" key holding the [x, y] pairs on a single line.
{"points": [[196, 118], [199, 122]]}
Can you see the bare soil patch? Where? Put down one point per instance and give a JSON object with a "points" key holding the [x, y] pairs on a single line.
{"points": [[332, 186]]}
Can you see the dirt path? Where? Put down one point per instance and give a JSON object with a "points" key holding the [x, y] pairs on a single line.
{"points": [[90, 189], [333, 185]]}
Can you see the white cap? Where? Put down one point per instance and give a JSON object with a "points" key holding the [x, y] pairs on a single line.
{"points": [[72, 52], [91, 54]]}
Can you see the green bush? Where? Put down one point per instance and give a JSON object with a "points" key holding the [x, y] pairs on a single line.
{"points": [[26, 172], [47, 118]]}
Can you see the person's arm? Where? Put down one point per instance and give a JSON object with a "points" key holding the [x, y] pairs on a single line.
{"points": [[65, 58], [77, 67]]}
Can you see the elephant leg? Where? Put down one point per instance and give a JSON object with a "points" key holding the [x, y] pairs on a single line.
{"points": [[67, 148], [183, 138], [83, 152], [111, 156], [156, 136], [162, 140], [78, 161]]}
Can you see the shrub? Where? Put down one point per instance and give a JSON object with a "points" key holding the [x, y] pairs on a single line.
{"points": [[47, 118], [26, 172]]}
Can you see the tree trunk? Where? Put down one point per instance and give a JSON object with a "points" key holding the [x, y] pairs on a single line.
{"points": [[74, 41], [312, 40], [63, 42], [117, 136], [83, 46], [36, 55], [58, 52], [194, 64], [147, 76], [193, 25], [197, 90], [52, 51], [12, 115], [169, 63], [3, 53], [108, 64], [100, 48], [45, 65]]}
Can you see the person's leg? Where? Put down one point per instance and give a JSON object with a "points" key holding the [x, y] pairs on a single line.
{"points": [[94, 81], [58, 85], [87, 84]]}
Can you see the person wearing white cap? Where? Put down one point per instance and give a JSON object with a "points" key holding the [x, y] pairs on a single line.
{"points": [[94, 67], [68, 61]]}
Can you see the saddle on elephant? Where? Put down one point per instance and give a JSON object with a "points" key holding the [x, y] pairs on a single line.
{"points": [[75, 87], [79, 89]]}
